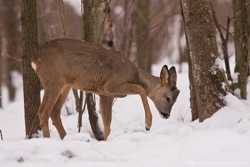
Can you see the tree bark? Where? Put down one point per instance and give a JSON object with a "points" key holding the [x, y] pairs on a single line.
{"points": [[31, 85], [143, 41], [205, 75], [11, 35], [93, 20], [128, 23], [193, 105], [248, 18], [241, 35], [1, 71]]}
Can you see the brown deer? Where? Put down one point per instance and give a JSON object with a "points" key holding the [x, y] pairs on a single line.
{"points": [[63, 64]]}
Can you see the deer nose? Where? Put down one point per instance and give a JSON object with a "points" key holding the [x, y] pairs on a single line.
{"points": [[165, 115]]}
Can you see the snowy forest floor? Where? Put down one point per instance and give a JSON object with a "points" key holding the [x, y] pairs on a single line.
{"points": [[223, 140]]}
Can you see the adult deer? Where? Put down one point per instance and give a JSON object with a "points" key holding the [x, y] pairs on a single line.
{"points": [[62, 64]]}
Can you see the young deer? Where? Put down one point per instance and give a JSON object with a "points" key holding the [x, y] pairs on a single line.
{"points": [[62, 64]]}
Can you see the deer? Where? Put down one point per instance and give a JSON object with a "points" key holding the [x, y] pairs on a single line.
{"points": [[62, 64]]}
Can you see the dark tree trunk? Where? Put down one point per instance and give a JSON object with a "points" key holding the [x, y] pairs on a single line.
{"points": [[241, 44], [93, 116], [143, 41], [205, 75], [1, 72], [248, 18], [10, 85], [1, 105], [31, 85], [79, 107]]}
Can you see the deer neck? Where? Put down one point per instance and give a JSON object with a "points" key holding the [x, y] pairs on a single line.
{"points": [[148, 81]]}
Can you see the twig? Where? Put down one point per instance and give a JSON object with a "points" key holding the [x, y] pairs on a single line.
{"points": [[80, 116], [1, 134], [224, 40], [79, 108]]}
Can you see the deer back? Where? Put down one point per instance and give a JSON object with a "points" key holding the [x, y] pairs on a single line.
{"points": [[82, 64]]}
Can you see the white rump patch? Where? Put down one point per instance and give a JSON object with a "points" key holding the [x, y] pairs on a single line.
{"points": [[33, 65]]}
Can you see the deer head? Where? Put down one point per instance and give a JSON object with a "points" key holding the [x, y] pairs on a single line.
{"points": [[165, 93]]}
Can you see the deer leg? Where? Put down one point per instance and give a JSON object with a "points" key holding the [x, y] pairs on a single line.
{"points": [[128, 88], [148, 114], [48, 102], [106, 112], [55, 115]]}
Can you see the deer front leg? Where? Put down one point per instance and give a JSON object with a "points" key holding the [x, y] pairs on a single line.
{"points": [[106, 112], [56, 112], [148, 114], [128, 88]]}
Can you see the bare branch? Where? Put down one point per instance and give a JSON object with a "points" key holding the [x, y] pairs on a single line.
{"points": [[1, 135], [224, 40]]}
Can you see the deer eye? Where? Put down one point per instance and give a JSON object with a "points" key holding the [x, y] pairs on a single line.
{"points": [[173, 88], [168, 99]]}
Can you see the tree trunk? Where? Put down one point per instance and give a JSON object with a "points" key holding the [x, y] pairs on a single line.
{"points": [[193, 105], [205, 75], [11, 35], [241, 44], [49, 22], [31, 85], [93, 20], [1, 105], [1, 71], [10, 85], [248, 18], [128, 23], [93, 17], [143, 41]]}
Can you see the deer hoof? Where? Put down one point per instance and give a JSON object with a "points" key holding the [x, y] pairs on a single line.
{"points": [[62, 136], [147, 129]]}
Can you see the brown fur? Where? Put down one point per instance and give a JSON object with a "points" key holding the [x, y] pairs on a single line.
{"points": [[62, 64]]}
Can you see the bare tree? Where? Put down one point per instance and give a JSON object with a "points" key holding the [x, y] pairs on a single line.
{"points": [[127, 27], [241, 44], [205, 74], [31, 86], [193, 105], [248, 17], [143, 40], [1, 105], [10, 33]]}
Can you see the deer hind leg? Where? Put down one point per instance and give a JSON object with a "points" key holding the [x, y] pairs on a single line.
{"points": [[55, 115], [48, 102], [128, 88], [93, 117], [106, 112]]}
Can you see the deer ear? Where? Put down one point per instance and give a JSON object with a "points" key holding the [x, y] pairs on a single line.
{"points": [[164, 75], [172, 76]]}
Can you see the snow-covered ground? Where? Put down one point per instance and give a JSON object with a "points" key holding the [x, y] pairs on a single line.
{"points": [[221, 141]]}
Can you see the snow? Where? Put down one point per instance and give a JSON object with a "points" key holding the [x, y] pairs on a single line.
{"points": [[221, 141], [76, 4]]}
